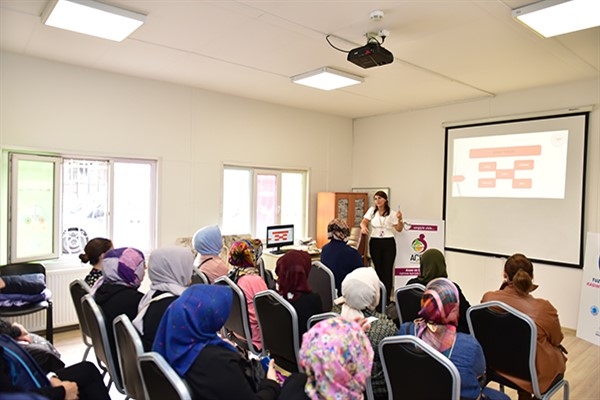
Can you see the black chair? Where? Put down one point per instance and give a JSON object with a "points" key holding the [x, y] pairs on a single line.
{"points": [[514, 353], [404, 360], [314, 319], [322, 282], [16, 311], [161, 380], [199, 277], [237, 326], [408, 301], [383, 297], [129, 348], [278, 323], [78, 288], [94, 318]]}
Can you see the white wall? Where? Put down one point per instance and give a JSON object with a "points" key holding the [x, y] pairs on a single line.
{"points": [[410, 160], [48, 106]]}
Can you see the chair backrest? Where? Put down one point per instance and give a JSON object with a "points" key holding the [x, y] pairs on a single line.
{"points": [[322, 282], [515, 353], [94, 318], [238, 322], [278, 323], [160, 379], [383, 296], [129, 348], [408, 301], [314, 319], [199, 277], [29, 308], [22, 269], [78, 288], [404, 358]]}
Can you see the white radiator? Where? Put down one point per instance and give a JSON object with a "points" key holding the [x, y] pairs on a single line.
{"points": [[64, 314]]}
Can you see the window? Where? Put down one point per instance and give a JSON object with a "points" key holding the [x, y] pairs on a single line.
{"points": [[61, 203], [254, 198]]}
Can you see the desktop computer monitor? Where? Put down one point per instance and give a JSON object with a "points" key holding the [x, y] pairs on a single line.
{"points": [[278, 236]]}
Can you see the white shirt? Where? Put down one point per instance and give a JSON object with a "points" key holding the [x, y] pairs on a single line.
{"points": [[381, 227]]}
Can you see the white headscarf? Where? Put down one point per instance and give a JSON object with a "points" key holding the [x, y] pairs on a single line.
{"points": [[360, 290], [170, 270]]}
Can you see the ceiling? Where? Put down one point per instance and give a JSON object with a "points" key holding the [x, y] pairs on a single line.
{"points": [[446, 51]]}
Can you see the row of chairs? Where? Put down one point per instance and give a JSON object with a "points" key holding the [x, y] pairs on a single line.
{"points": [[514, 353]]}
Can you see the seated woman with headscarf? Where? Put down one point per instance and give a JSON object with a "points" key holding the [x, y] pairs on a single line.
{"points": [[170, 272], [244, 257], [437, 326], [213, 369], [292, 279], [340, 258], [208, 242], [360, 296], [433, 265], [336, 358], [116, 292]]}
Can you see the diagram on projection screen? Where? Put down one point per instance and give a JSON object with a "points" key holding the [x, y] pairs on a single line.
{"points": [[525, 165]]}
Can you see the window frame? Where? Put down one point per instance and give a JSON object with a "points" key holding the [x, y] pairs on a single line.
{"points": [[254, 172], [58, 187]]}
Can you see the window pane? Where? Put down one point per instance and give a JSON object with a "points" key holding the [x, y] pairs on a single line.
{"points": [[85, 203], [236, 201], [133, 221], [292, 201], [33, 188], [266, 203]]}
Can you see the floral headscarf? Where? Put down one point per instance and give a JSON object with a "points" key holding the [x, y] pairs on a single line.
{"points": [[124, 266], [438, 317], [337, 358], [191, 323], [292, 273], [245, 253], [338, 229]]}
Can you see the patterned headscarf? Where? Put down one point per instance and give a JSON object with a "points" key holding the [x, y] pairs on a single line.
{"points": [[170, 270], [124, 266], [337, 358], [433, 265], [292, 273], [338, 229], [360, 290], [245, 253], [191, 323], [438, 317], [208, 241]]}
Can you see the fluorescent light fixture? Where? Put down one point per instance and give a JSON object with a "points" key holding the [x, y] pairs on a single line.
{"points": [[327, 79], [92, 18], [557, 17]]}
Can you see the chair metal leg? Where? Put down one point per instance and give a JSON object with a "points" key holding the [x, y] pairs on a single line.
{"points": [[49, 328]]}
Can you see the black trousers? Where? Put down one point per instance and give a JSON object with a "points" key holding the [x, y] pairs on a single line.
{"points": [[383, 254], [88, 379]]}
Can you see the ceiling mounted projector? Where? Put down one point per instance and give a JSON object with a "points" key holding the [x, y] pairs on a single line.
{"points": [[370, 55]]}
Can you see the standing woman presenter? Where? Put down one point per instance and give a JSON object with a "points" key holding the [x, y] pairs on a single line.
{"points": [[382, 245]]}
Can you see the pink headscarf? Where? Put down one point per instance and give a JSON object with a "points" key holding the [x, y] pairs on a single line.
{"points": [[337, 358]]}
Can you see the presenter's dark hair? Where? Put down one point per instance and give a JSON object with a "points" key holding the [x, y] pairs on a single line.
{"points": [[384, 196]]}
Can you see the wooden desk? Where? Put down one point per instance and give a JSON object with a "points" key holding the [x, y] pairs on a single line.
{"points": [[270, 259]]}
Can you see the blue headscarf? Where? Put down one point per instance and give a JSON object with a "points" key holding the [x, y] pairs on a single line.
{"points": [[208, 241], [191, 322]]}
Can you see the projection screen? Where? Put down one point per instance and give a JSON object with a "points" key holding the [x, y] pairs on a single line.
{"points": [[517, 186]]}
